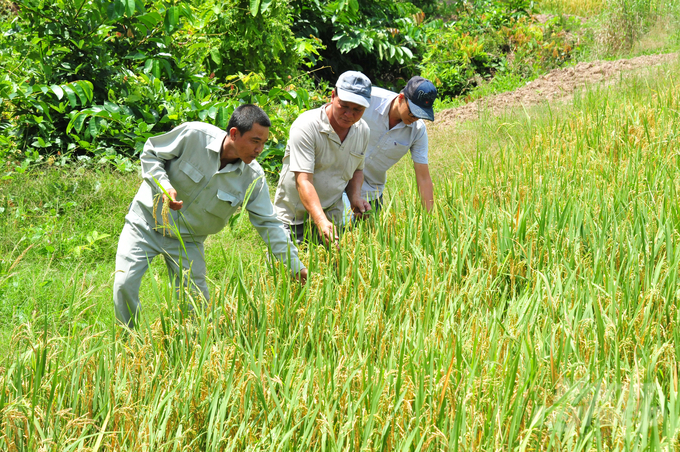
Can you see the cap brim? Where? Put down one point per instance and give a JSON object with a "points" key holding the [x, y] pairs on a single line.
{"points": [[419, 112], [346, 96]]}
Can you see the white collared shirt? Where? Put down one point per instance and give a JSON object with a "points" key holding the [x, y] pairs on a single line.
{"points": [[386, 147]]}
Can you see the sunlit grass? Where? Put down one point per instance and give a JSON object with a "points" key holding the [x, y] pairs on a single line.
{"points": [[582, 8], [536, 309]]}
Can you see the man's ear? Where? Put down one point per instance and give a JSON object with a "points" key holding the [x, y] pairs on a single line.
{"points": [[233, 133]]}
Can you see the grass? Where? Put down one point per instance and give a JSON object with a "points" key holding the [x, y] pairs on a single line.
{"points": [[535, 309], [662, 37], [630, 28], [583, 8], [501, 83], [58, 236]]}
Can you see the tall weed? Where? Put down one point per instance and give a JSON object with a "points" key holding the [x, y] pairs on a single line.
{"points": [[624, 22]]}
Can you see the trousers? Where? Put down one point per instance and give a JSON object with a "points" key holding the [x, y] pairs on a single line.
{"points": [[139, 243]]}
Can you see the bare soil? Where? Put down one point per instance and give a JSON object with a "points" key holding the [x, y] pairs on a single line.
{"points": [[556, 86]]}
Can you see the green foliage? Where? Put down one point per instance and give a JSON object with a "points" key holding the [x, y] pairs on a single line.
{"points": [[500, 41], [252, 36], [104, 76], [44, 105], [429, 7], [454, 59], [538, 48], [98, 40], [374, 36], [99, 44]]}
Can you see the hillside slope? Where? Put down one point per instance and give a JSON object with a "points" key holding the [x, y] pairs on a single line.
{"points": [[558, 85]]}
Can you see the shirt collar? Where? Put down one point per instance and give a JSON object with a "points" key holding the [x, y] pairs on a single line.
{"points": [[237, 166], [326, 126], [215, 145], [384, 107], [384, 110]]}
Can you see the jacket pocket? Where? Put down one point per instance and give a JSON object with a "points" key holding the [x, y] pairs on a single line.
{"points": [[234, 200], [223, 204], [193, 173]]}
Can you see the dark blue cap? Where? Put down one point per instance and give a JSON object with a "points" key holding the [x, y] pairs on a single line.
{"points": [[421, 94]]}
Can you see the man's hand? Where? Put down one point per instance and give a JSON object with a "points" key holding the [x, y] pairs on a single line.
{"points": [[310, 199], [174, 204], [328, 232], [302, 276], [360, 207]]}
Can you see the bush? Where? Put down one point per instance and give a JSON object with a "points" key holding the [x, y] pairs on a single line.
{"points": [[382, 38], [506, 39], [252, 36], [97, 78], [84, 53], [454, 59]]}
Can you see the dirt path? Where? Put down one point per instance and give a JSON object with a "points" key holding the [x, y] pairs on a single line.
{"points": [[556, 86]]}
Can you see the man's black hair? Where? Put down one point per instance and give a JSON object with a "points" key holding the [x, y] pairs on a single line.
{"points": [[245, 116]]}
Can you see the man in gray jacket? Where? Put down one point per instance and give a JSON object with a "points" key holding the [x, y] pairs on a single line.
{"points": [[207, 174]]}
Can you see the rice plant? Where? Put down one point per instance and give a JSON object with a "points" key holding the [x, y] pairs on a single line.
{"points": [[535, 309]]}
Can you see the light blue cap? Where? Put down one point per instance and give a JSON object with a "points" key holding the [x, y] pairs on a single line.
{"points": [[353, 86]]}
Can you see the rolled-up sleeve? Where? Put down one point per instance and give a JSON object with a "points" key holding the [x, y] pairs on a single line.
{"points": [[270, 228], [158, 150]]}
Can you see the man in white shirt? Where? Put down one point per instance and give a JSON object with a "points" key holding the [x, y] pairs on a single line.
{"points": [[396, 125], [324, 158], [207, 174]]}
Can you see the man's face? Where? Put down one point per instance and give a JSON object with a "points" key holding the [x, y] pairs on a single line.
{"points": [[250, 144], [346, 113], [405, 112]]}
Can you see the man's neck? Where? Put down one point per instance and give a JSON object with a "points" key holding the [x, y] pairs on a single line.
{"points": [[340, 131], [394, 117], [228, 154]]}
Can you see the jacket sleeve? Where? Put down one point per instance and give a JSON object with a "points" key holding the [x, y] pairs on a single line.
{"points": [[157, 151], [263, 218]]}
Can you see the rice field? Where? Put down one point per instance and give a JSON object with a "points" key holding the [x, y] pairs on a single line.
{"points": [[535, 309]]}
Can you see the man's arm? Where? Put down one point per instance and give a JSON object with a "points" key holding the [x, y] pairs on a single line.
{"points": [[425, 186], [158, 150], [353, 190], [304, 182], [263, 218]]}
